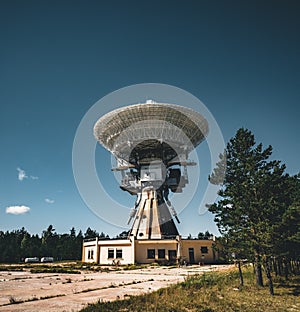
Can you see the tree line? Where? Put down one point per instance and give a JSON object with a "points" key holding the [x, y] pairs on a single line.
{"points": [[17, 245], [258, 211]]}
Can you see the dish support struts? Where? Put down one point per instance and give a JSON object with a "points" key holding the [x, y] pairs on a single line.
{"points": [[152, 216]]}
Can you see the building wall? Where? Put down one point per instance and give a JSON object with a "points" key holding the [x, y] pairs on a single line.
{"points": [[129, 251], [198, 251], [116, 252], [108, 251], [90, 251], [148, 251]]}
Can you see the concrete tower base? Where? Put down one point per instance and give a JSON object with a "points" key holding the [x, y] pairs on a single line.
{"points": [[153, 219]]}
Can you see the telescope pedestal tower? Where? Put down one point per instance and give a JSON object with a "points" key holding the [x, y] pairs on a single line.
{"points": [[153, 219]]}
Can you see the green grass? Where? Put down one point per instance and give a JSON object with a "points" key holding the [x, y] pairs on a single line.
{"points": [[130, 267], [54, 270], [10, 268], [211, 292], [68, 267], [57, 267], [13, 300]]}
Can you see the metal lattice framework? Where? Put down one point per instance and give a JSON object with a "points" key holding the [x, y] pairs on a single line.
{"points": [[150, 128]]}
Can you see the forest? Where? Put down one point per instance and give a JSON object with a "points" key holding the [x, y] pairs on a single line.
{"points": [[17, 245]]}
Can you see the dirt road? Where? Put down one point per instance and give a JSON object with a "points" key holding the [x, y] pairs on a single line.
{"points": [[24, 291]]}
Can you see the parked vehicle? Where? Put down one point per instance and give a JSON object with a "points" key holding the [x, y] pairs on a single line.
{"points": [[32, 260], [47, 259]]}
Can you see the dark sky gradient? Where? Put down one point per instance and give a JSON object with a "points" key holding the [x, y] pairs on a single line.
{"points": [[57, 58]]}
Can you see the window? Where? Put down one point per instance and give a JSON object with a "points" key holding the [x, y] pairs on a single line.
{"points": [[111, 253], [90, 254], [161, 254], [151, 253], [204, 250], [119, 253]]}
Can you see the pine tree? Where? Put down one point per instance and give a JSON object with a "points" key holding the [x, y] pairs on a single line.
{"points": [[89, 233], [251, 199], [50, 242]]}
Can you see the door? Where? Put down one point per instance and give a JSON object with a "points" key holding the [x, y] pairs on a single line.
{"points": [[172, 255], [191, 256]]}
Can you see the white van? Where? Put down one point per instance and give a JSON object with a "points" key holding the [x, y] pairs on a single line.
{"points": [[47, 259], [32, 260]]}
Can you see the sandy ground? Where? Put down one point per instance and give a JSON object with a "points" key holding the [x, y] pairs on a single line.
{"points": [[72, 292]]}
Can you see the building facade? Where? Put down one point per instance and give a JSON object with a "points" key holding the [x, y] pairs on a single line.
{"points": [[143, 251]]}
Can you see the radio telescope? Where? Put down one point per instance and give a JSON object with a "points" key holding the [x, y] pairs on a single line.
{"points": [[151, 143]]}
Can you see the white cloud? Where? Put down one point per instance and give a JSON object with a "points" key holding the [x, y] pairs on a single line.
{"points": [[16, 210], [49, 201], [22, 174]]}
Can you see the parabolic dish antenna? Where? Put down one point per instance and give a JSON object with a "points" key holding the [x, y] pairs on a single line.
{"points": [[144, 126]]}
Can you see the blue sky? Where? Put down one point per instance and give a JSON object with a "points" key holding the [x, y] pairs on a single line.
{"points": [[58, 58]]}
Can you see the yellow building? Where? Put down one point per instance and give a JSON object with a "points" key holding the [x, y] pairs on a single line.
{"points": [[140, 251]]}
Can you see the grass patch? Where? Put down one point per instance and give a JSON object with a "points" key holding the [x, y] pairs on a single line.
{"points": [[111, 286], [50, 297], [211, 292], [54, 270], [14, 300], [129, 267], [68, 267], [11, 268]]}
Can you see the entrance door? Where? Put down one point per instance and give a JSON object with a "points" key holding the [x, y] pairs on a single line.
{"points": [[191, 255], [172, 255]]}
